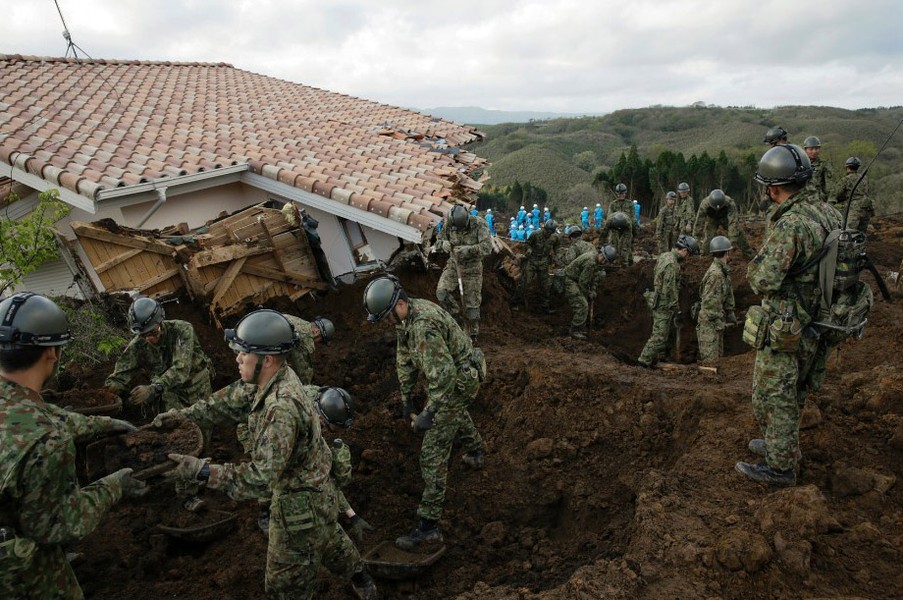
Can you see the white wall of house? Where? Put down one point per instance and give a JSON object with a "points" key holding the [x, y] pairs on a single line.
{"points": [[53, 279]]}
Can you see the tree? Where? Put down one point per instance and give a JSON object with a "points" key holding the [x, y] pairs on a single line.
{"points": [[586, 160], [28, 243], [516, 195]]}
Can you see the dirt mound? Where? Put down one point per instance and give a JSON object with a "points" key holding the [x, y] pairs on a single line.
{"points": [[601, 479]]}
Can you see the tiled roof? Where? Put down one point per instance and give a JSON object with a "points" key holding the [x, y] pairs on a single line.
{"points": [[89, 125]]}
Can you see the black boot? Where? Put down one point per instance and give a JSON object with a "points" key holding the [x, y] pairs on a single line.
{"points": [[363, 585], [765, 474], [427, 531]]}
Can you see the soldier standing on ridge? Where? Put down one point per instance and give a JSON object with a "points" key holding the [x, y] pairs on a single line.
{"points": [[716, 301], [861, 209], [430, 343], [620, 225], [686, 210], [42, 506], [822, 182], [785, 354], [467, 240], [667, 228]]}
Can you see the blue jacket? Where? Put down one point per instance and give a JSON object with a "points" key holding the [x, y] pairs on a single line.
{"points": [[584, 217], [598, 215]]}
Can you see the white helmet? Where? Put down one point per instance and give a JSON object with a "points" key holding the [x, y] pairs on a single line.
{"points": [[488, 210], [635, 202], [535, 206], [522, 208], [519, 227], [545, 208], [598, 205], [585, 208]]}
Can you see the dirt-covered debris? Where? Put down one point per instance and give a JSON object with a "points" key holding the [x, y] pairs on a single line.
{"points": [[602, 480]]}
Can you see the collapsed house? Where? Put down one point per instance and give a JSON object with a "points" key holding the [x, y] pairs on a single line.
{"points": [[155, 151]]}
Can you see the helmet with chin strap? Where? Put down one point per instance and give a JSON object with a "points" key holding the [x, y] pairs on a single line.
{"points": [[262, 332]]}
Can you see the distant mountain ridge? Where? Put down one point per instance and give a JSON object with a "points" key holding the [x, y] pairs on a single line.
{"points": [[474, 115]]}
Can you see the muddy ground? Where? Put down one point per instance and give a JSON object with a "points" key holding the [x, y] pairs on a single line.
{"points": [[601, 479]]}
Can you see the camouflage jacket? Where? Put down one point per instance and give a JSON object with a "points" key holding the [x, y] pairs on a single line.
{"points": [[39, 492], [861, 205], [430, 342], [716, 294], [542, 246], [668, 220], [586, 272], [301, 359], [623, 206], [666, 280], [469, 245], [174, 361], [795, 237], [289, 452], [708, 212], [822, 182], [686, 212], [567, 254]]}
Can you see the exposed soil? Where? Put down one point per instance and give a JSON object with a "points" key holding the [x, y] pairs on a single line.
{"points": [[88, 400], [601, 479], [144, 450]]}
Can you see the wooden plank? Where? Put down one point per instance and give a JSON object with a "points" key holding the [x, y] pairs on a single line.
{"points": [[226, 280], [109, 264], [277, 253], [205, 258], [96, 233], [286, 277], [680, 367], [149, 283]]}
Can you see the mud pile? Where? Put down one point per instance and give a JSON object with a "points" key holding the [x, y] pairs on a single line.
{"points": [[601, 479]]}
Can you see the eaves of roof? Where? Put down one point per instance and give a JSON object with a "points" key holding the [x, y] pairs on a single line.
{"points": [[176, 124]]}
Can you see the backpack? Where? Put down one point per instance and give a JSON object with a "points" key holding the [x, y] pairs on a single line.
{"points": [[845, 302]]}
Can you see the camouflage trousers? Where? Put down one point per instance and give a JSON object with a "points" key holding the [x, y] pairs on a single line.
{"points": [[452, 422], [304, 535], [538, 271], [623, 243], [29, 571], [577, 301], [780, 384], [710, 335], [449, 296], [667, 239], [662, 338]]}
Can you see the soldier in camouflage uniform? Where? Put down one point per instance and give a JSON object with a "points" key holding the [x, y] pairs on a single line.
{"points": [[719, 210], [667, 229], [621, 232], [664, 300], [822, 182], [686, 209], [42, 506], [467, 240], [716, 301], [574, 247], [861, 209], [170, 353], [784, 359], [290, 460], [582, 276], [535, 263], [430, 343]]}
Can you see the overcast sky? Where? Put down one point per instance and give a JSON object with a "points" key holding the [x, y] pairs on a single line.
{"points": [[555, 55]]}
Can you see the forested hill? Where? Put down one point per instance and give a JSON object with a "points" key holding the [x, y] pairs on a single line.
{"points": [[574, 160]]}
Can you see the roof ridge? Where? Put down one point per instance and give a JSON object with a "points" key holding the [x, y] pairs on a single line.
{"points": [[107, 61]]}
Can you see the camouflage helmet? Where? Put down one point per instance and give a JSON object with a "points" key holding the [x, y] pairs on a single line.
{"points": [[550, 226], [683, 187], [334, 404], [457, 217], [263, 331], [28, 319], [327, 329], [811, 142], [717, 199], [688, 242], [145, 314], [609, 253], [775, 135], [573, 231], [619, 221], [784, 164], [671, 196], [621, 188], [380, 297], [853, 163], [719, 243]]}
